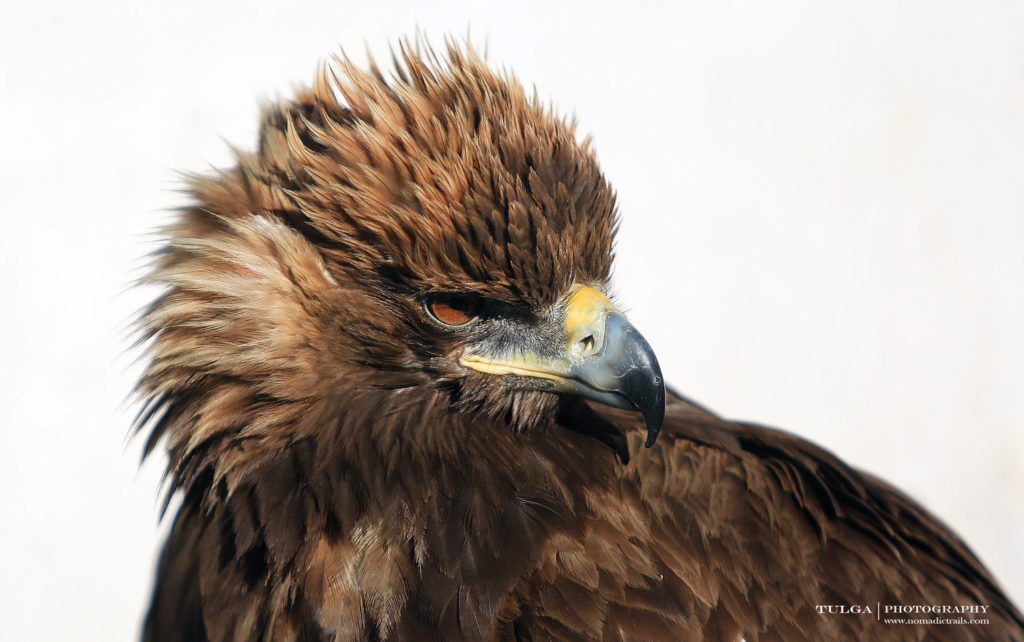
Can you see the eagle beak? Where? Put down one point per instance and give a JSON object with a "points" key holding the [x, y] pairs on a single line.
{"points": [[606, 359]]}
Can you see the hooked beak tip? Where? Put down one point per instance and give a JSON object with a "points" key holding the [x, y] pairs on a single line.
{"points": [[652, 436], [654, 416]]}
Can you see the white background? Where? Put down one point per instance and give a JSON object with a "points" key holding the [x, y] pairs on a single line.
{"points": [[823, 229]]}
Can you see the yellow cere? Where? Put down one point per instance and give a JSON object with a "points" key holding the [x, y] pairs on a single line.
{"points": [[585, 311]]}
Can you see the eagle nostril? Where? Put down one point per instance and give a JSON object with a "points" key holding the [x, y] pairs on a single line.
{"points": [[587, 344]]}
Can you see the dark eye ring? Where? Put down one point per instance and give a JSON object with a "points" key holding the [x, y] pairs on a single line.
{"points": [[454, 310]]}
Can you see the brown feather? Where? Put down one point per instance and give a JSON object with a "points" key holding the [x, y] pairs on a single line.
{"points": [[342, 478]]}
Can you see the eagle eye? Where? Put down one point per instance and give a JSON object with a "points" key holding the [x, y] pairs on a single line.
{"points": [[453, 310]]}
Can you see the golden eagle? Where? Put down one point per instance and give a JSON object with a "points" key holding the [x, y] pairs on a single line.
{"points": [[399, 404]]}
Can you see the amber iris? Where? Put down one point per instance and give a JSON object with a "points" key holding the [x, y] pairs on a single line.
{"points": [[453, 310]]}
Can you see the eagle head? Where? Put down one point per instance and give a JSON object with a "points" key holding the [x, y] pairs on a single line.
{"points": [[426, 245]]}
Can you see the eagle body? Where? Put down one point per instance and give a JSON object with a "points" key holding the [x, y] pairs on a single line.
{"points": [[399, 405]]}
